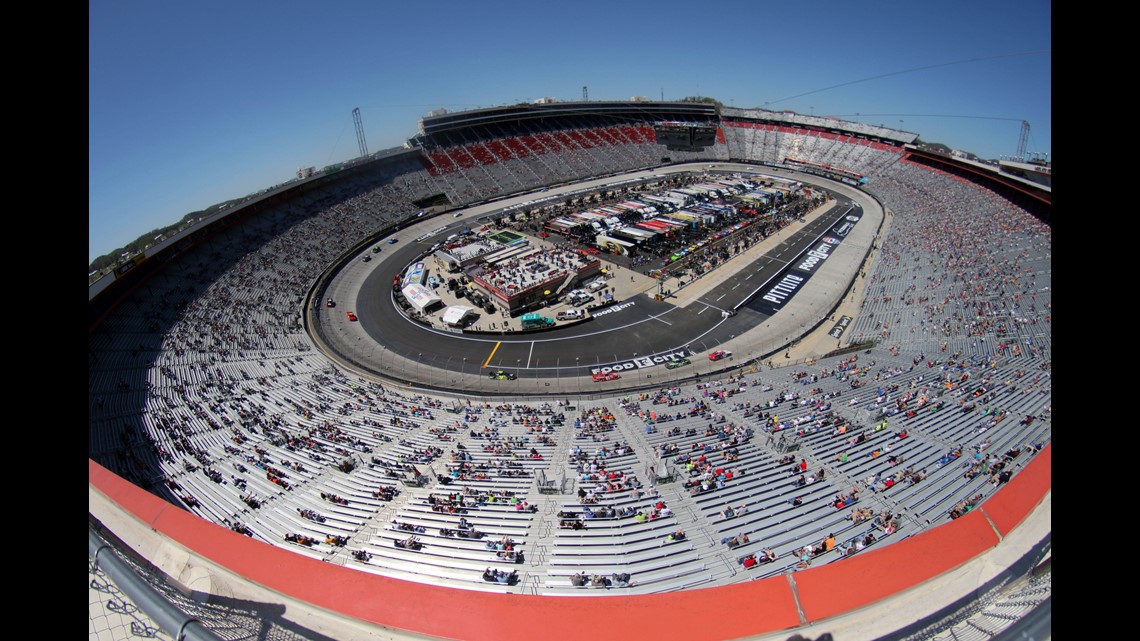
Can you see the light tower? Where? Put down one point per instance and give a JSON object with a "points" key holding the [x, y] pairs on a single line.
{"points": [[359, 132], [585, 94]]}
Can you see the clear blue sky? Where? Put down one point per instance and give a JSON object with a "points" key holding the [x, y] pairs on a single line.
{"points": [[192, 104]]}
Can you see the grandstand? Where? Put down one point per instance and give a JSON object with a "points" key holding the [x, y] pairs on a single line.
{"points": [[208, 393]]}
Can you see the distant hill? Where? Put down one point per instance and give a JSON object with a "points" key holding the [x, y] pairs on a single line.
{"points": [[109, 260]]}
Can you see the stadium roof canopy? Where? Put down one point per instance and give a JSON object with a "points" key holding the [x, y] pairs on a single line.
{"points": [[640, 111]]}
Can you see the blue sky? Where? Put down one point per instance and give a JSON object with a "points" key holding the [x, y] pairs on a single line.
{"points": [[192, 104]]}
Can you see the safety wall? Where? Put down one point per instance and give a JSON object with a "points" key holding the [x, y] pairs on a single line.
{"points": [[399, 609]]}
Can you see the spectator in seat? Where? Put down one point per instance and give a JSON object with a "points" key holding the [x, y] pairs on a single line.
{"points": [[805, 558], [621, 580]]}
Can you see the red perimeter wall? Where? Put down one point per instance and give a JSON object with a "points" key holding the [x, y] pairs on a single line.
{"points": [[707, 614]]}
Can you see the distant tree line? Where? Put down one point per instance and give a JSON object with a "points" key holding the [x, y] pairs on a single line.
{"points": [[705, 99], [111, 259]]}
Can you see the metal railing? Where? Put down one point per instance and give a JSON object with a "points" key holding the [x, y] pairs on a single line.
{"points": [[155, 603]]}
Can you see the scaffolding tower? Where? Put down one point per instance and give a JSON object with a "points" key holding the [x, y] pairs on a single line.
{"points": [[1021, 144], [359, 132]]}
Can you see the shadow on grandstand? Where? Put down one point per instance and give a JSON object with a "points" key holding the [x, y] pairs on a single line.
{"points": [[181, 612]]}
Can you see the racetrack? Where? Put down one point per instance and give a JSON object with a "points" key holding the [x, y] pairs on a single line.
{"points": [[726, 309]]}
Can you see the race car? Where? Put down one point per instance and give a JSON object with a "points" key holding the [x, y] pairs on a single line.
{"points": [[351, 316], [606, 376], [500, 375], [719, 354], [677, 363], [330, 303]]}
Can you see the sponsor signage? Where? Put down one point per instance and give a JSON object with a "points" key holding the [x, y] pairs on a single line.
{"points": [[814, 257], [809, 262], [642, 362], [784, 289], [839, 327], [432, 233], [610, 310], [415, 275]]}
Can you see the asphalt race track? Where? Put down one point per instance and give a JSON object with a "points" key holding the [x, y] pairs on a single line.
{"points": [[638, 332]]}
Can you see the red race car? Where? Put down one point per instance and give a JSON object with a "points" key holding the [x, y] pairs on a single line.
{"points": [[351, 316], [606, 376], [719, 354]]}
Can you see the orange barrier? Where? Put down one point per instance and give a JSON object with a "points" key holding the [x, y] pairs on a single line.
{"points": [[706, 614]]}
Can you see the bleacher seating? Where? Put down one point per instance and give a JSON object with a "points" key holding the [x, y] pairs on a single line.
{"points": [[204, 388]]}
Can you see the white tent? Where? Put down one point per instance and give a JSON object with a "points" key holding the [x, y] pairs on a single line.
{"points": [[456, 314], [420, 297]]}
